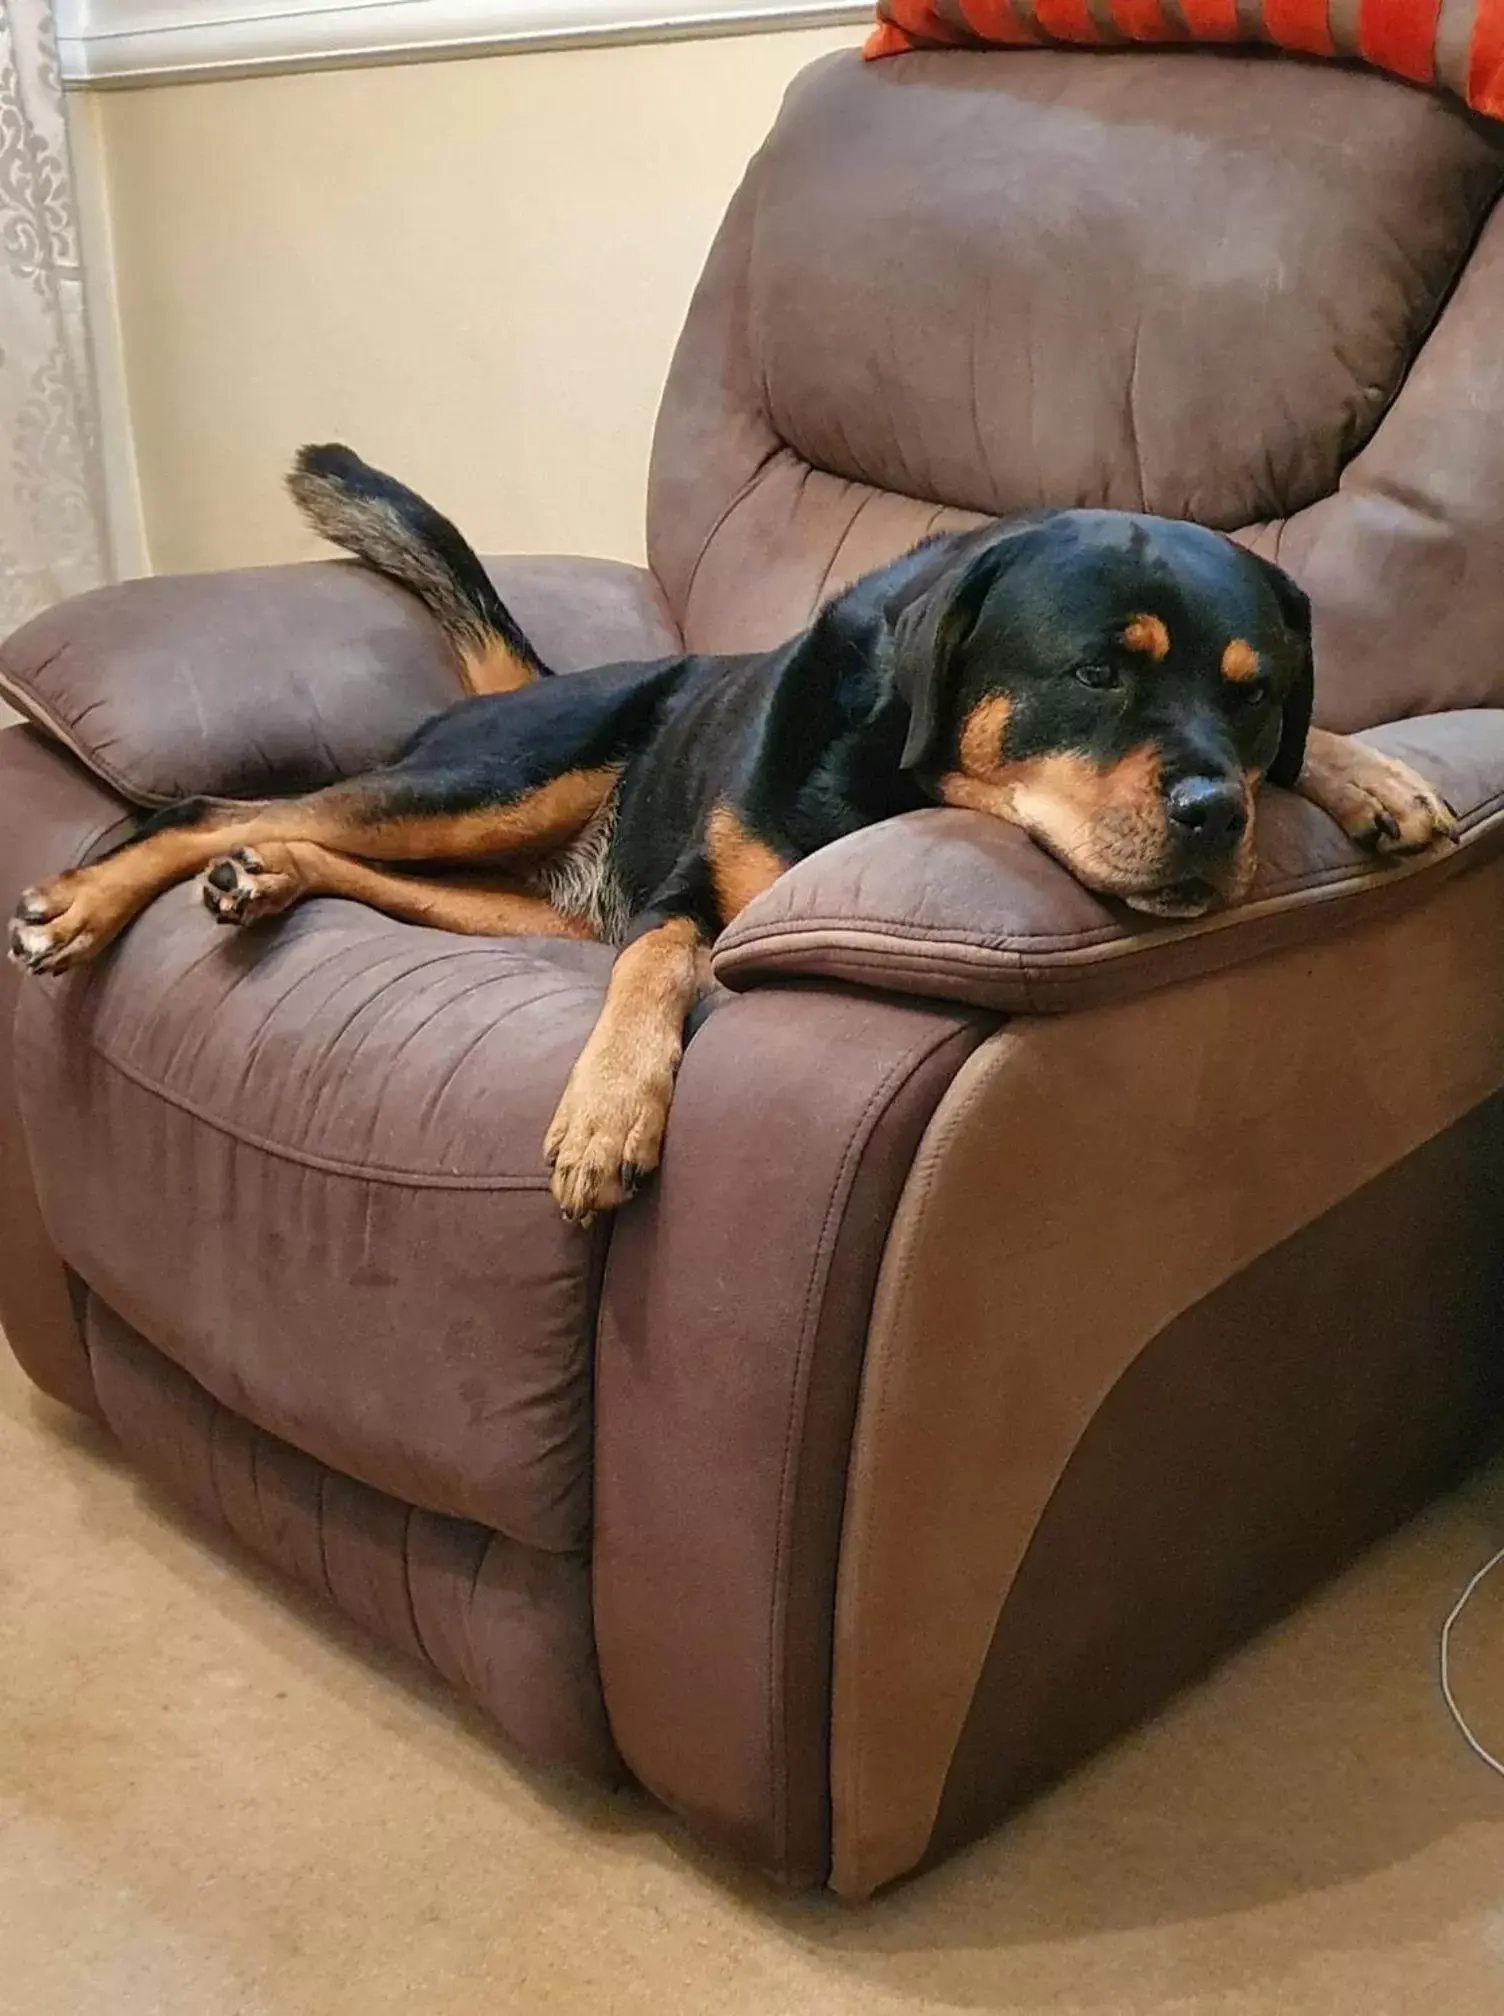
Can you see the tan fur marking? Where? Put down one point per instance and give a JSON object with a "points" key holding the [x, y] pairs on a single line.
{"points": [[88, 908], [1378, 801], [740, 867], [1240, 661], [1107, 825], [271, 878], [1149, 635], [983, 737], [608, 1130], [1085, 787], [533, 825], [492, 668]]}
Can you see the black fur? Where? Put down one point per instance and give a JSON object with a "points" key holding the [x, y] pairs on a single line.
{"points": [[1116, 685], [859, 717], [399, 534]]}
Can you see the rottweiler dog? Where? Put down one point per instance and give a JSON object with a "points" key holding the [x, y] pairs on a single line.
{"points": [[1117, 685]]}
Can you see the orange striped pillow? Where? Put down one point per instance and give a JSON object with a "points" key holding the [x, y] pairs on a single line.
{"points": [[1455, 44]]}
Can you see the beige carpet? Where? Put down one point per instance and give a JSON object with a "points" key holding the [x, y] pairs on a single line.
{"points": [[217, 1801]]}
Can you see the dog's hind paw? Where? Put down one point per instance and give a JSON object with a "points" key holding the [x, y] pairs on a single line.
{"points": [[53, 929], [243, 888]]}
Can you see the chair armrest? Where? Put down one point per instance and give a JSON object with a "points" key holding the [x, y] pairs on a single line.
{"points": [[279, 679], [52, 815], [1188, 1297], [1195, 1292], [729, 1355], [959, 907]]}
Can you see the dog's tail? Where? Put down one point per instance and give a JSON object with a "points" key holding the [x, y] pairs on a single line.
{"points": [[391, 529]]}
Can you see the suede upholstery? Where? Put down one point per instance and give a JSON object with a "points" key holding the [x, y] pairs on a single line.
{"points": [[1033, 1300]]}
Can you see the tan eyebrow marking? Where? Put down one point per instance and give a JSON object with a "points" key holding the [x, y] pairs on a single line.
{"points": [[1240, 661], [1147, 634]]}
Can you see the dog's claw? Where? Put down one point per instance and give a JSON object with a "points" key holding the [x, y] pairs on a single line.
{"points": [[1378, 801], [54, 927], [34, 950], [603, 1145]]}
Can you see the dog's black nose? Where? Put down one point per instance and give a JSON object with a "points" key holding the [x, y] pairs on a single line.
{"points": [[1206, 811]]}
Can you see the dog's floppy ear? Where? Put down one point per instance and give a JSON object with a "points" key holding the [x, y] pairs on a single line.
{"points": [[1295, 607], [928, 632]]}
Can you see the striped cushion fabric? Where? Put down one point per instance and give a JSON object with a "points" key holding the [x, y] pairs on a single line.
{"points": [[1457, 45]]}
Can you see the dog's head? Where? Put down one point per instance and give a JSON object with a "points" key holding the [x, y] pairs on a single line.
{"points": [[1116, 685]]}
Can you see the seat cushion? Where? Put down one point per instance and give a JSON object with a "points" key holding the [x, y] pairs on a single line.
{"points": [[306, 1164], [509, 1626]]}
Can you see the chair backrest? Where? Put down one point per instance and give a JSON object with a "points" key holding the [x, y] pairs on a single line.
{"points": [[1261, 293]]}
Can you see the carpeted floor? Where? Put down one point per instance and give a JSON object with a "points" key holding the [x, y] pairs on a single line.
{"points": [[217, 1801]]}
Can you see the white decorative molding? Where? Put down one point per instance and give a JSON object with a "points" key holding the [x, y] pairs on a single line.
{"points": [[112, 42]]}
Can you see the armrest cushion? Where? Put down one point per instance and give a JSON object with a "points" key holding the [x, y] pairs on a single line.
{"points": [[960, 907], [280, 679]]}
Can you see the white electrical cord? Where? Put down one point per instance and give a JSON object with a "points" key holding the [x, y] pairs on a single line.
{"points": [[1446, 1663]]}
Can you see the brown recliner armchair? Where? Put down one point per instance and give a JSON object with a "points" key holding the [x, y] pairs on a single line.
{"points": [[1033, 1300]]}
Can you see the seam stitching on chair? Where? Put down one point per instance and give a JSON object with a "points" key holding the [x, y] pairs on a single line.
{"points": [[852, 1558], [742, 494], [305, 1158], [1112, 941], [40, 715], [880, 1098], [836, 551]]}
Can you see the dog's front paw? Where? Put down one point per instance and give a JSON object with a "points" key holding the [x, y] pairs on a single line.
{"points": [[55, 927], [1379, 802], [243, 888], [1400, 813], [605, 1139]]}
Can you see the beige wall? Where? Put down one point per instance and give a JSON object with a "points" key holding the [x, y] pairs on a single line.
{"points": [[473, 271]]}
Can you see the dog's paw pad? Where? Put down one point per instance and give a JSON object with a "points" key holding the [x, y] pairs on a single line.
{"points": [[240, 889]]}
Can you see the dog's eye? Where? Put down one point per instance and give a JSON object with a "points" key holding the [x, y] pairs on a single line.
{"points": [[1252, 693], [1100, 678]]}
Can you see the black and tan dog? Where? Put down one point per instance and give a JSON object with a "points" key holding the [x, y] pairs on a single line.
{"points": [[1118, 686]]}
